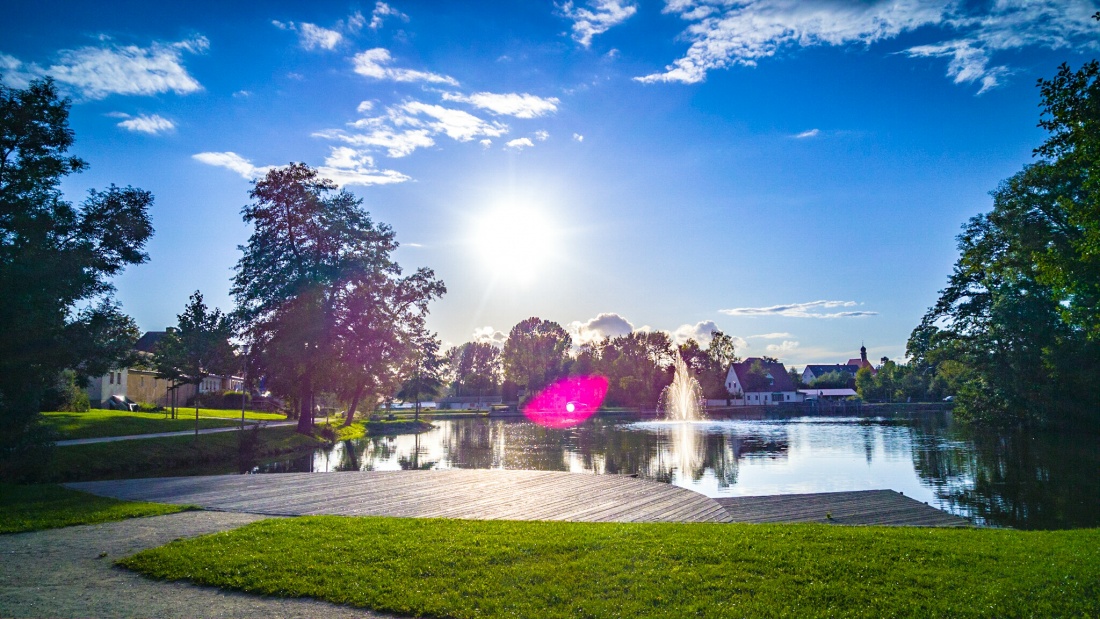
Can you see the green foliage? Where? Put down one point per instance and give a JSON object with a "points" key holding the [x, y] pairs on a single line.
{"points": [[65, 394], [99, 422], [465, 568], [54, 258], [474, 369], [38, 507], [638, 367], [536, 354], [322, 304], [832, 380], [199, 347], [1020, 317]]}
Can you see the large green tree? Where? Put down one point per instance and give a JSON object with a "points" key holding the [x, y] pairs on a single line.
{"points": [[317, 287], [1020, 311], [536, 354], [56, 260]]}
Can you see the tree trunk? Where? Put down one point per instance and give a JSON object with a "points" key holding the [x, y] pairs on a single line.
{"points": [[354, 403], [197, 410], [305, 409]]}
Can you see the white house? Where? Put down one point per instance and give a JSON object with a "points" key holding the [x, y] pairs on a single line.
{"points": [[771, 387]]}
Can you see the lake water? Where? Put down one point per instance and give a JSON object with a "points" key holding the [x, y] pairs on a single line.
{"points": [[1043, 480]]}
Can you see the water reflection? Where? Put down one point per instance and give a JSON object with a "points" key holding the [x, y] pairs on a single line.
{"points": [[1036, 481]]}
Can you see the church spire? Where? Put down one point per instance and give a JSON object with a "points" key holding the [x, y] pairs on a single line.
{"points": [[863, 353]]}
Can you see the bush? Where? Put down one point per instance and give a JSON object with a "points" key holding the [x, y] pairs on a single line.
{"points": [[228, 400], [65, 395]]}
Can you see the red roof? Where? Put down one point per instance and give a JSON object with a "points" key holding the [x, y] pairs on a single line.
{"points": [[781, 381]]}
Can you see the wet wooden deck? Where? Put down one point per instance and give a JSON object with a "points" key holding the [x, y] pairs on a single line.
{"points": [[469, 494], [512, 495], [866, 507]]}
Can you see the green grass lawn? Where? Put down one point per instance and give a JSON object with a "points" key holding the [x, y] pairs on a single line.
{"points": [[97, 423], [457, 568], [37, 507]]}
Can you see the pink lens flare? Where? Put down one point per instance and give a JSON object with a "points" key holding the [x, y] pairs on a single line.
{"points": [[567, 402]]}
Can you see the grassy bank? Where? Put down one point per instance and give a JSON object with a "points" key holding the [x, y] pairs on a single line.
{"points": [[456, 568], [97, 422], [37, 507], [207, 455]]}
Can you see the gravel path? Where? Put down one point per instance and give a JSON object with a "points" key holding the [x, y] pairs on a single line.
{"points": [[61, 573]]}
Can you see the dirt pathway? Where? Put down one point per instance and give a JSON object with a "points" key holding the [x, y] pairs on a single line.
{"points": [[70, 573]]}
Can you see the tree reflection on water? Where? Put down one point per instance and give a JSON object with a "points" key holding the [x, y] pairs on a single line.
{"points": [[1012, 478]]}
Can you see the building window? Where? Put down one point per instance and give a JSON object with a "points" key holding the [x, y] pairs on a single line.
{"points": [[112, 377]]}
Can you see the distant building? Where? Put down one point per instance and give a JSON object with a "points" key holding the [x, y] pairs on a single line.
{"points": [[137, 384], [823, 395], [813, 372], [772, 387], [862, 362]]}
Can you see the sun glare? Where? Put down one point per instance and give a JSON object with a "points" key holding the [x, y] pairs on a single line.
{"points": [[516, 241]]}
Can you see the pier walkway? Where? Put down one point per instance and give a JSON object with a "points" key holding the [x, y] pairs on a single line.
{"points": [[510, 495]]}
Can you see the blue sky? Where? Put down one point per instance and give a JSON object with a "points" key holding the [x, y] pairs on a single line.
{"points": [[792, 173]]}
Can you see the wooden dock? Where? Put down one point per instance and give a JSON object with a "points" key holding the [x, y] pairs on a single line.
{"points": [[866, 507], [469, 494], [511, 495]]}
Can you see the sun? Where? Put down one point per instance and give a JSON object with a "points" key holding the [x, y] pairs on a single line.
{"points": [[516, 241]]}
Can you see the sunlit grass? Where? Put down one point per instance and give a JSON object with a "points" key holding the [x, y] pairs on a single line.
{"points": [[37, 507], [98, 423], [456, 568]]}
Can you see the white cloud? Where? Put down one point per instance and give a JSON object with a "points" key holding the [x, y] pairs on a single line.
{"points": [[150, 124], [542, 135], [808, 134], [345, 166], [490, 335], [786, 346], [405, 127], [519, 143], [578, 137], [364, 106], [456, 124], [968, 63], [602, 16], [702, 332], [396, 143], [371, 63], [242, 94], [312, 36], [801, 310], [96, 72], [596, 329], [15, 73], [234, 162], [723, 34], [486, 143], [770, 336], [508, 104], [382, 11]]}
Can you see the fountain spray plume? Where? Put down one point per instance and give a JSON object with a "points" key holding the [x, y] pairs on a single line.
{"points": [[683, 399]]}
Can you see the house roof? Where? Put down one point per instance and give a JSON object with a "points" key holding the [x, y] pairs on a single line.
{"points": [[148, 342], [818, 370], [781, 381]]}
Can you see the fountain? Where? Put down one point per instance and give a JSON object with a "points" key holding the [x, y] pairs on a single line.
{"points": [[683, 399]]}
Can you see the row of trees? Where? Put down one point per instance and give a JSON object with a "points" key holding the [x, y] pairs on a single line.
{"points": [[538, 352]]}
